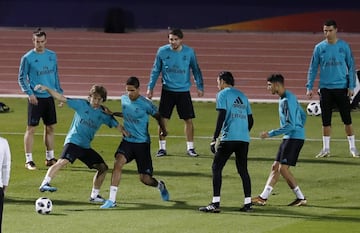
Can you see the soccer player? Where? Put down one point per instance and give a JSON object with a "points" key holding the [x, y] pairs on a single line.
{"points": [[292, 121], [136, 144], [39, 66], [334, 58], [175, 61], [234, 121], [5, 167], [89, 116]]}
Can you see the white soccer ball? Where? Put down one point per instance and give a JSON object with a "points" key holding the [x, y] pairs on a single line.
{"points": [[43, 205], [313, 109]]}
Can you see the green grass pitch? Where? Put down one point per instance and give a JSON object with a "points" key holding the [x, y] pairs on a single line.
{"points": [[331, 185]]}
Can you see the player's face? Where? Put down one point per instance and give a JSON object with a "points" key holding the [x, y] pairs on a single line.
{"points": [[330, 33], [271, 87], [39, 43], [132, 92], [95, 100], [175, 42]]}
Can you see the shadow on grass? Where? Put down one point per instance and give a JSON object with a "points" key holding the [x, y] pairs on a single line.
{"points": [[266, 211]]}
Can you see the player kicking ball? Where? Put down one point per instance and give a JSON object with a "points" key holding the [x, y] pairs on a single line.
{"points": [[89, 116], [136, 110]]}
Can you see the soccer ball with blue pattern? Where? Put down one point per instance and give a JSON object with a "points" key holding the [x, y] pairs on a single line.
{"points": [[313, 109], [43, 205]]}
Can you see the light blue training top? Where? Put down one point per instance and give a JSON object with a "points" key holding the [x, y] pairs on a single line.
{"points": [[86, 122], [237, 106], [292, 118], [174, 67], [336, 64], [39, 68], [136, 118]]}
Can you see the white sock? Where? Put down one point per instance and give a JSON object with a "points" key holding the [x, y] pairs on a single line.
{"points": [[326, 143], [94, 193], [215, 199], [162, 144], [190, 145], [351, 140], [298, 193], [28, 157], [247, 200], [49, 154], [46, 180], [266, 192], [113, 192]]}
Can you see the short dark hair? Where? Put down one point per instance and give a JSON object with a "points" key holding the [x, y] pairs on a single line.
{"points": [[39, 32], [100, 90], [133, 81], [227, 77], [276, 78], [330, 22], [176, 32]]}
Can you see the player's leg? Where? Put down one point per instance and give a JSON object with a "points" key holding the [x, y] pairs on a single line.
{"points": [[326, 103], [145, 169], [166, 106], [122, 156], [241, 155], [345, 113], [34, 115], [220, 158], [50, 119], [185, 109]]}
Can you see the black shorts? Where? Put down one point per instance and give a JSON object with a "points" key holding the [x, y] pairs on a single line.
{"points": [[88, 156], [226, 149], [45, 110], [138, 151], [182, 101], [289, 151], [330, 98]]}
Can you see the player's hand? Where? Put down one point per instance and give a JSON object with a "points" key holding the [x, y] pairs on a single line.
{"points": [[264, 134], [200, 93], [350, 93], [309, 93], [33, 100], [213, 146], [149, 94]]}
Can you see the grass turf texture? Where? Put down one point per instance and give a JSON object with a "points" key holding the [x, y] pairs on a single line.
{"points": [[331, 185]]}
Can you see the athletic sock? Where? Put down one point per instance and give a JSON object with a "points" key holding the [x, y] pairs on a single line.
{"points": [[28, 157], [266, 192], [190, 145], [298, 193], [113, 192], [49, 154], [351, 140], [326, 143], [216, 199], [94, 193], [162, 144], [46, 180]]}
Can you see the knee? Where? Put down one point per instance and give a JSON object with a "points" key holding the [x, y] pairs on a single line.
{"points": [[102, 167]]}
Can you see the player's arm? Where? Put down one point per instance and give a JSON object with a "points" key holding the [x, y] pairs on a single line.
{"points": [[52, 92], [161, 123]]}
